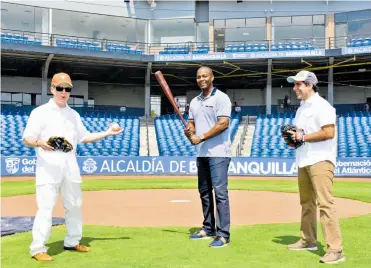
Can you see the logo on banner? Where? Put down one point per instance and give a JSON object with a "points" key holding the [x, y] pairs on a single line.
{"points": [[12, 165], [90, 165]]}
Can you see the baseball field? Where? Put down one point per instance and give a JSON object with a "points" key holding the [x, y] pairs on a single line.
{"points": [[146, 221]]}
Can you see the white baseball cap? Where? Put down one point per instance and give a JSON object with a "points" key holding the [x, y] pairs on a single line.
{"points": [[303, 76]]}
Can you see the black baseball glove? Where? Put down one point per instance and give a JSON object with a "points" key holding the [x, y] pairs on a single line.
{"points": [[288, 137], [60, 144]]}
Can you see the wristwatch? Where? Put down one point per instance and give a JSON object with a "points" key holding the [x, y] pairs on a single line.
{"points": [[202, 137]]}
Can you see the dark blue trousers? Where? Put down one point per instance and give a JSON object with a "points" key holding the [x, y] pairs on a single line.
{"points": [[213, 175]]}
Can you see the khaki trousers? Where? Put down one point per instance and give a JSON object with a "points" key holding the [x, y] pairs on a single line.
{"points": [[315, 185]]}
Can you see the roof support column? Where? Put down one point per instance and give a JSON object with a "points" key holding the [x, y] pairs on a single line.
{"points": [[147, 91], [44, 79], [330, 89], [268, 89]]}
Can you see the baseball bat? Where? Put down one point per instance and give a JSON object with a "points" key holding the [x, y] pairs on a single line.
{"points": [[165, 88]]}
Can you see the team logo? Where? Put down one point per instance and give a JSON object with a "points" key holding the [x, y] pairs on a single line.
{"points": [[89, 165], [12, 165]]}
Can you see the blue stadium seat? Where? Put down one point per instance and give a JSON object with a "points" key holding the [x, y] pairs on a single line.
{"points": [[354, 134], [170, 137], [14, 122], [267, 140]]}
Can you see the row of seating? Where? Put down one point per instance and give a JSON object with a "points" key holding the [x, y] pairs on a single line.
{"points": [[96, 46], [265, 47], [359, 42], [125, 144], [19, 39], [354, 135], [170, 136]]}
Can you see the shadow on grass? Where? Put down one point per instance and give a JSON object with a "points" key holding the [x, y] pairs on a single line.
{"points": [[56, 248], [190, 231], [289, 239]]}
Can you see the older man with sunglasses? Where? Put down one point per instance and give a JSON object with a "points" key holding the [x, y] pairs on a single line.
{"points": [[58, 171]]}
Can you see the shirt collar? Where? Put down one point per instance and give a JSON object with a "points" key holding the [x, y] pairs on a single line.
{"points": [[312, 98], [211, 94], [54, 105]]}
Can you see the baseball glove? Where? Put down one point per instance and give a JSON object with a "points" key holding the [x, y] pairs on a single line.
{"points": [[60, 144], [290, 141]]}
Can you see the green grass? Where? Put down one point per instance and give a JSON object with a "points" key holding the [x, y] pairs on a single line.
{"points": [[251, 246], [345, 189]]}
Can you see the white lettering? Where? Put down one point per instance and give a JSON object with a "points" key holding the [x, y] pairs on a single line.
{"points": [[174, 166], [192, 167], [182, 166], [242, 167], [118, 166], [160, 167], [105, 166]]}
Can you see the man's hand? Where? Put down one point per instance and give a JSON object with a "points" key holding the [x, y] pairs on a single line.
{"points": [[195, 140], [44, 145], [189, 131], [114, 129]]}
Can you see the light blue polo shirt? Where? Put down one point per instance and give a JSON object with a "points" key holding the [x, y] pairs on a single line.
{"points": [[205, 113]]}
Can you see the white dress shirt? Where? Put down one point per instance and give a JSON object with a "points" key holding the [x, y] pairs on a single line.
{"points": [[50, 120], [313, 114]]}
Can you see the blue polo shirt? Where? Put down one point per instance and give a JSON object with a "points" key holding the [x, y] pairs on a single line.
{"points": [[205, 113]]}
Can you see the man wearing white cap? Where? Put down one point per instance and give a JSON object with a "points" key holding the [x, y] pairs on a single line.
{"points": [[58, 170], [316, 160]]}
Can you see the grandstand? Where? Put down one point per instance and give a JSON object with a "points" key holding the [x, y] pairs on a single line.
{"points": [[111, 52]]}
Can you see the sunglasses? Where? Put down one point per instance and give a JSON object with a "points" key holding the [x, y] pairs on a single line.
{"points": [[60, 89]]}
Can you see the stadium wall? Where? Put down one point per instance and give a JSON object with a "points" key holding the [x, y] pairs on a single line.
{"points": [[130, 96], [256, 9], [135, 9], [21, 84]]}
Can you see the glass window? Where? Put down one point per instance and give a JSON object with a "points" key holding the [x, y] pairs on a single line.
{"points": [[281, 21], [235, 23], [24, 18], [319, 20], [361, 27], [203, 32], [173, 31], [255, 22], [219, 24], [6, 97], [17, 97], [341, 34], [245, 34], [26, 99], [302, 20], [91, 102], [98, 27], [359, 15], [341, 17], [79, 102], [38, 99], [298, 32]]}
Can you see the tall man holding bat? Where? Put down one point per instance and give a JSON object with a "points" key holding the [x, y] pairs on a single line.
{"points": [[208, 127]]}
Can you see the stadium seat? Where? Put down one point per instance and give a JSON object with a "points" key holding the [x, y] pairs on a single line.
{"points": [[354, 135], [170, 136], [19, 39], [14, 122], [359, 42], [267, 140], [179, 49]]}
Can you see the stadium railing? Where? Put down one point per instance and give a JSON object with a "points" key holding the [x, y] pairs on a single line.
{"points": [[130, 47]]}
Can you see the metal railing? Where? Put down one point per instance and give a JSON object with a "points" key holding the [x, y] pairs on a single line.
{"points": [[94, 44], [241, 142], [148, 153]]}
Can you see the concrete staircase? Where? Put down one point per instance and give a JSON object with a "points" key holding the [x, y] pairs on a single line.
{"points": [[152, 141], [237, 139], [143, 150], [246, 149]]}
